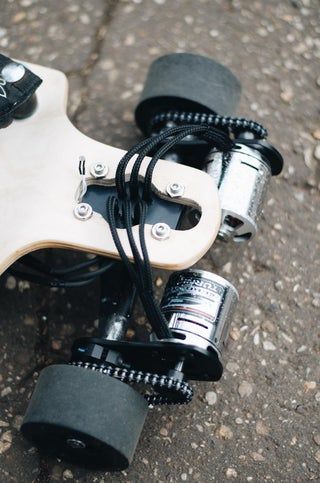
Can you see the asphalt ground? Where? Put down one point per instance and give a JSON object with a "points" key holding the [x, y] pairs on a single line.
{"points": [[261, 421]]}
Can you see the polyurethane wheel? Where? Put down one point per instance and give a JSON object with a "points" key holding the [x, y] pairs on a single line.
{"points": [[85, 417], [187, 82]]}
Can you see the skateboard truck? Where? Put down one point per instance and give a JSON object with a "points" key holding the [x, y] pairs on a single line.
{"points": [[130, 208]]}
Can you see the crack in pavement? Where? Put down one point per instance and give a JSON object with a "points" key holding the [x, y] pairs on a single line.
{"points": [[85, 71]]}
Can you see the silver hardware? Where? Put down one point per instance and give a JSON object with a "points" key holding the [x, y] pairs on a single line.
{"points": [[199, 307], [115, 327], [175, 189], [83, 211], [242, 178], [76, 443], [160, 231], [99, 170], [13, 72]]}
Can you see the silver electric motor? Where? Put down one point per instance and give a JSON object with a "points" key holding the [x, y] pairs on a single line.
{"points": [[199, 306], [242, 176]]}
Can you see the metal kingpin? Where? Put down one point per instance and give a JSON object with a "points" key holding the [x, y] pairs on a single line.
{"points": [[13, 72]]}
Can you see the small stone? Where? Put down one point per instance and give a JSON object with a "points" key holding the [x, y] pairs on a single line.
{"points": [[4, 424], [29, 321], [287, 95], [317, 456], [224, 432], [231, 473], [184, 477], [234, 333], [309, 386], [316, 134], [268, 345], [145, 461], [18, 17], [5, 442], [11, 283], [316, 152], [257, 456], [17, 422], [6, 391], [232, 366], [302, 348], [214, 33], [56, 345], [261, 428], [227, 267], [67, 475], [211, 398], [268, 326], [316, 439], [316, 302], [245, 389], [278, 285], [317, 396], [164, 432], [159, 282], [130, 333]]}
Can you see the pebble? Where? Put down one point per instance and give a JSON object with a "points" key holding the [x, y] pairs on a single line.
{"points": [[67, 475], [309, 386], [231, 473], [159, 282], [245, 389], [278, 285], [317, 456], [163, 432], [214, 33], [257, 456], [317, 396], [211, 398], [316, 134], [261, 428], [224, 432], [268, 326], [316, 152], [11, 283], [268, 345], [56, 345], [287, 95], [232, 366], [234, 333], [6, 391], [316, 439], [5, 442], [184, 476]]}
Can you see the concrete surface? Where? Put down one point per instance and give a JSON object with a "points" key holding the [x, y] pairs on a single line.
{"points": [[261, 421]]}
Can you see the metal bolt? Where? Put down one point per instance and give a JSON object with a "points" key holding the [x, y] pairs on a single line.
{"points": [[99, 170], [76, 443], [160, 231], [175, 189], [13, 72], [83, 211]]}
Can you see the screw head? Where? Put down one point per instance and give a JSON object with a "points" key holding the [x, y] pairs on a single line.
{"points": [[83, 211], [160, 231], [76, 443], [13, 72], [175, 189], [99, 170]]}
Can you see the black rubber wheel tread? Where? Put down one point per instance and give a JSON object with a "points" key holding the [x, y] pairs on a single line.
{"points": [[187, 82], [72, 403]]}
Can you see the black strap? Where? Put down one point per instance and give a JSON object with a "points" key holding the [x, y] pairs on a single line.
{"points": [[14, 94]]}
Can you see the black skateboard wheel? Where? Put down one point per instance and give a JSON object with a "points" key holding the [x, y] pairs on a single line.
{"points": [[187, 82], [85, 417]]}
